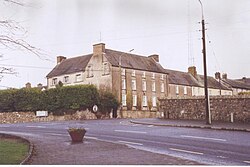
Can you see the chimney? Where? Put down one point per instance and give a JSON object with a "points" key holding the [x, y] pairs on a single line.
{"points": [[217, 75], [40, 85], [224, 76], [244, 79], [98, 48], [28, 85], [60, 59], [192, 71], [155, 57]]}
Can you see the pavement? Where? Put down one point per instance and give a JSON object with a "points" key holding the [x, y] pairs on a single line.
{"points": [[216, 125]]}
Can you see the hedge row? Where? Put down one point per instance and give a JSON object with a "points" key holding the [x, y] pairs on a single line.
{"points": [[56, 100]]}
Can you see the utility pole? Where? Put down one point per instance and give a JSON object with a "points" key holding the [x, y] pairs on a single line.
{"points": [[208, 114]]}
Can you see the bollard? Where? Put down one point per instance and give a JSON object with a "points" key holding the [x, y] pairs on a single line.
{"points": [[232, 118]]}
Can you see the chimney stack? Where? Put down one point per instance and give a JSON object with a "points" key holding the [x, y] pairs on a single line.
{"points": [[60, 59], [155, 57], [217, 75], [98, 48], [28, 85], [40, 85], [224, 76], [192, 71], [244, 79]]}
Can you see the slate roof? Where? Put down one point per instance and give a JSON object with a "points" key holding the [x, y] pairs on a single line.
{"points": [[133, 61], [71, 65], [212, 83], [236, 84], [244, 80], [181, 78]]}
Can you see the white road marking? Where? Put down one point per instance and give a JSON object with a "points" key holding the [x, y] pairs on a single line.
{"points": [[221, 157], [54, 134], [88, 137], [248, 162], [205, 138], [186, 151], [36, 126], [127, 142], [128, 131], [150, 126], [136, 125]]}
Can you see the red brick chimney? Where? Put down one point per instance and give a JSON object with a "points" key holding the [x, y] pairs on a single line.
{"points": [[98, 48], [60, 59], [155, 57], [192, 71]]}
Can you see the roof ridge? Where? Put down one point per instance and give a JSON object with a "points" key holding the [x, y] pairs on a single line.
{"points": [[128, 53]]}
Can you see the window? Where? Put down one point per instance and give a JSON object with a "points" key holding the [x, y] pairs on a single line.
{"points": [[124, 100], [66, 79], [185, 90], [134, 100], [144, 101], [162, 87], [133, 84], [106, 68], [144, 86], [154, 101], [177, 90], [123, 83], [153, 86], [54, 81], [162, 76], [153, 75], [90, 72], [144, 74], [78, 77], [133, 73], [124, 71]]}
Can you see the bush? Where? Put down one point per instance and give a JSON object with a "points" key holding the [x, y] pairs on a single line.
{"points": [[107, 102]]}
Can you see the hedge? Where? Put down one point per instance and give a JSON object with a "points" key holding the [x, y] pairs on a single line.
{"points": [[57, 100]]}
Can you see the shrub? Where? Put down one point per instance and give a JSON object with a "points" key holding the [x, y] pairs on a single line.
{"points": [[107, 102]]}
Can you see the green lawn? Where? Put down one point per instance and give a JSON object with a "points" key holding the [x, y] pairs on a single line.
{"points": [[12, 151]]}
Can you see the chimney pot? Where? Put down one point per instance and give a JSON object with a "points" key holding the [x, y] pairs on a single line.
{"points": [[217, 75]]}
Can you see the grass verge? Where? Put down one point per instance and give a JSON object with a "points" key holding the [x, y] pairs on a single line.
{"points": [[12, 151]]}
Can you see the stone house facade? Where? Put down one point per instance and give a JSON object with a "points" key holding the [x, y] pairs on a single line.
{"points": [[136, 81]]}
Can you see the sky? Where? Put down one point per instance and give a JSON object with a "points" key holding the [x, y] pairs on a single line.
{"points": [[169, 28]]}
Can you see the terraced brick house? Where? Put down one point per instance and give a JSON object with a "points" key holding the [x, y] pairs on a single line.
{"points": [[137, 81]]}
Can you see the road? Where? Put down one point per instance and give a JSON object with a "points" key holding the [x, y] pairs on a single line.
{"points": [[206, 146]]}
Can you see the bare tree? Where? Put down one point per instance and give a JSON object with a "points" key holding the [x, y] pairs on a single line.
{"points": [[12, 37]]}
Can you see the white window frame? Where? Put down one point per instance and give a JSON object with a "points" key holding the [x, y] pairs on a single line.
{"points": [[106, 68], [133, 73], [133, 84], [124, 84], [143, 74], [134, 100], [154, 101], [177, 89], [78, 77], [90, 72], [123, 72], [185, 90], [124, 100], [162, 87], [144, 101], [54, 81], [153, 86], [144, 85], [66, 79], [162, 76], [153, 75]]}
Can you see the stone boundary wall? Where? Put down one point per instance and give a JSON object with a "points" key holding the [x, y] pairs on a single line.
{"points": [[221, 108], [20, 117], [139, 114]]}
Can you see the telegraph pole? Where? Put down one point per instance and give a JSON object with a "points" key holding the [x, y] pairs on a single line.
{"points": [[208, 114]]}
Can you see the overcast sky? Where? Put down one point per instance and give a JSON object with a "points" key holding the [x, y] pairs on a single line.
{"points": [[169, 28]]}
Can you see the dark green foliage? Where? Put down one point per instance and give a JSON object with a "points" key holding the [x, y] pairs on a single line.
{"points": [[59, 100]]}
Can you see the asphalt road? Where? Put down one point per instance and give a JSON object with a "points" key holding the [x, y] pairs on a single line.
{"points": [[202, 145]]}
